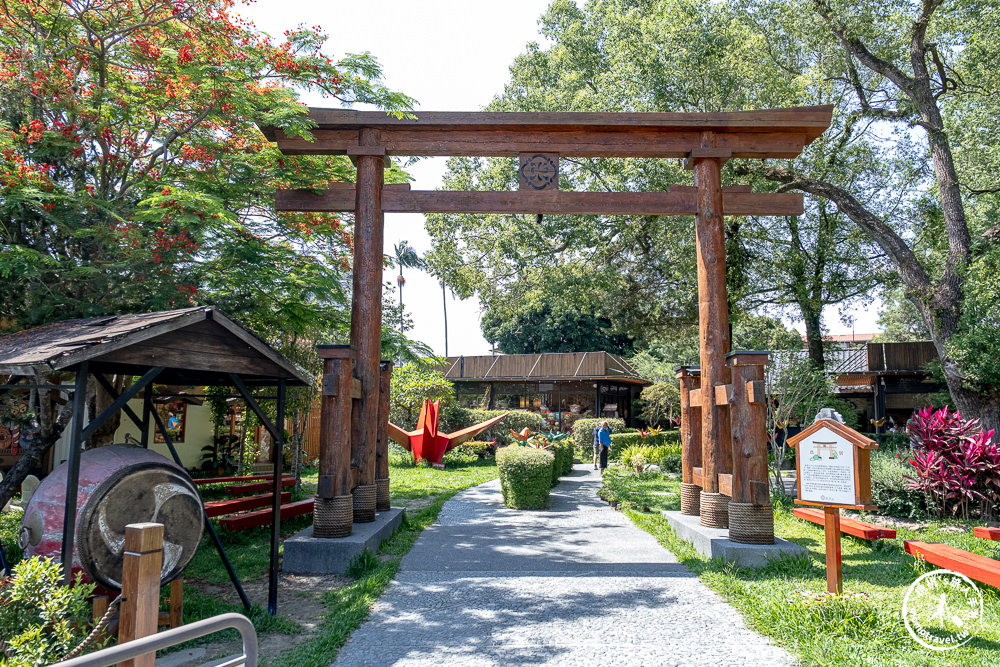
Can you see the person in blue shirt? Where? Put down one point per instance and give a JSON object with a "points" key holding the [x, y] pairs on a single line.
{"points": [[604, 438]]}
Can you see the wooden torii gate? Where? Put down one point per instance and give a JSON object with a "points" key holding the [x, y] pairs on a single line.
{"points": [[725, 454]]}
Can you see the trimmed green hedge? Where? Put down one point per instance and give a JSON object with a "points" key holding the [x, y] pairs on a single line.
{"points": [[621, 441], [458, 418], [562, 450], [525, 477], [582, 435]]}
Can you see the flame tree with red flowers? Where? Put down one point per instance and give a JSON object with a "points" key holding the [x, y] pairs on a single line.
{"points": [[133, 175]]}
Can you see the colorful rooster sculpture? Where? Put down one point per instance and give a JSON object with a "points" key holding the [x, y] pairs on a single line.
{"points": [[426, 443]]}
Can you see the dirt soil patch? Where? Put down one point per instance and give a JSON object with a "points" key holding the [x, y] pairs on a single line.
{"points": [[299, 600]]}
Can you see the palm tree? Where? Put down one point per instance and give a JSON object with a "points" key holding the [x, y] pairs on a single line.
{"points": [[406, 256]]}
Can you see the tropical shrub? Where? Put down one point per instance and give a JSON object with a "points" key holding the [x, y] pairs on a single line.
{"points": [[668, 457], [890, 489], [955, 462], [582, 435], [637, 456], [41, 620], [525, 476]]}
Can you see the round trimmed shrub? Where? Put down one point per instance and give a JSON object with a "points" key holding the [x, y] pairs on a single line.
{"points": [[525, 476]]}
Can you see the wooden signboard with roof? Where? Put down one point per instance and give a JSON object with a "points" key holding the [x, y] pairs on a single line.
{"points": [[833, 470]]}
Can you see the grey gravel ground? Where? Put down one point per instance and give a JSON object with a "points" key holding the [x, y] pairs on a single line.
{"points": [[578, 584]]}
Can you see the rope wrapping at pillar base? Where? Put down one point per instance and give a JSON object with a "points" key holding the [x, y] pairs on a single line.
{"points": [[751, 524], [714, 510], [382, 495], [364, 503], [333, 517], [690, 499]]}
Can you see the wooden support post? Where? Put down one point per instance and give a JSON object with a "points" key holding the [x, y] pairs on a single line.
{"points": [[834, 567], [713, 329], [335, 422], [690, 383], [366, 302], [382, 433], [383, 500], [141, 587], [749, 430]]}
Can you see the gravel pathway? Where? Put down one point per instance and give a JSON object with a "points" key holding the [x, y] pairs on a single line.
{"points": [[577, 584]]}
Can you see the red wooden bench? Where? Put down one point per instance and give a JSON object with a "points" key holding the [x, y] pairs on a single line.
{"points": [[263, 517], [257, 487], [223, 507], [987, 533], [226, 480], [971, 565], [866, 531]]}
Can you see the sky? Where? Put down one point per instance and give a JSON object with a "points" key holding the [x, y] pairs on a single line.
{"points": [[449, 56]]}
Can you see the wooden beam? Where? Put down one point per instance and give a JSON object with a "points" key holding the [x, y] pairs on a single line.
{"points": [[722, 154], [602, 134], [678, 201], [723, 393]]}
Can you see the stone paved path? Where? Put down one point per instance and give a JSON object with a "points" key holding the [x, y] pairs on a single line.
{"points": [[578, 584]]}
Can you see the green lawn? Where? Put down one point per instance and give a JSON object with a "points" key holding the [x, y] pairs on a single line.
{"points": [[863, 627]]}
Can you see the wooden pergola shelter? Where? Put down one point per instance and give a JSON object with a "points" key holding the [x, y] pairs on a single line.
{"points": [[725, 462], [197, 346]]}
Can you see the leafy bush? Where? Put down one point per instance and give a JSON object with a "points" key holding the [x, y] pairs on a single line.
{"points": [[481, 448], [955, 461], [582, 435], [637, 456], [460, 456], [399, 457], [622, 441], [668, 457], [10, 529], [40, 619], [890, 489], [525, 476], [458, 418], [892, 442]]}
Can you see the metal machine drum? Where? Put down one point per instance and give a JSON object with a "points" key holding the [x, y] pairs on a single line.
{"points": [[118, 485]]}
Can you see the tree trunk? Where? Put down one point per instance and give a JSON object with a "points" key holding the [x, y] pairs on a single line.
{"points": [[49, 431], [814, 334]]}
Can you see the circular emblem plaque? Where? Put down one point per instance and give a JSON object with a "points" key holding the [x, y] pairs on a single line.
{"points": [[942, 610], [539, 171]]}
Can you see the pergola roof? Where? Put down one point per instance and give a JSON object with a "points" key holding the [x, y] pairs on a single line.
{"points": [[196, 346]]}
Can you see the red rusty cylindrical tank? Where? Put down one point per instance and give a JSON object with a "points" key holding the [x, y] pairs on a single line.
{"points": [[118, 485]]}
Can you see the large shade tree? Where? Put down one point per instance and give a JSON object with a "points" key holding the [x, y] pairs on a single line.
{"points": [[133, 175], [655, 55], [910, 157]]}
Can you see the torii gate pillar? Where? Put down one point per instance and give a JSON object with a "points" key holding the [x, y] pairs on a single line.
{"points": [[713, 331]]}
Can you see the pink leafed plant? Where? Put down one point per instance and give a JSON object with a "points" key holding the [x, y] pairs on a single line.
{"points": [[955, 461]]}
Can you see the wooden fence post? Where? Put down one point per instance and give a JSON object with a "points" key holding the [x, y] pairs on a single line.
{"points": [[382, 496], [140, 607]]}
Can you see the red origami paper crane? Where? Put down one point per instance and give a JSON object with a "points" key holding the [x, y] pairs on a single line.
{"points": [[426, 443]]}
